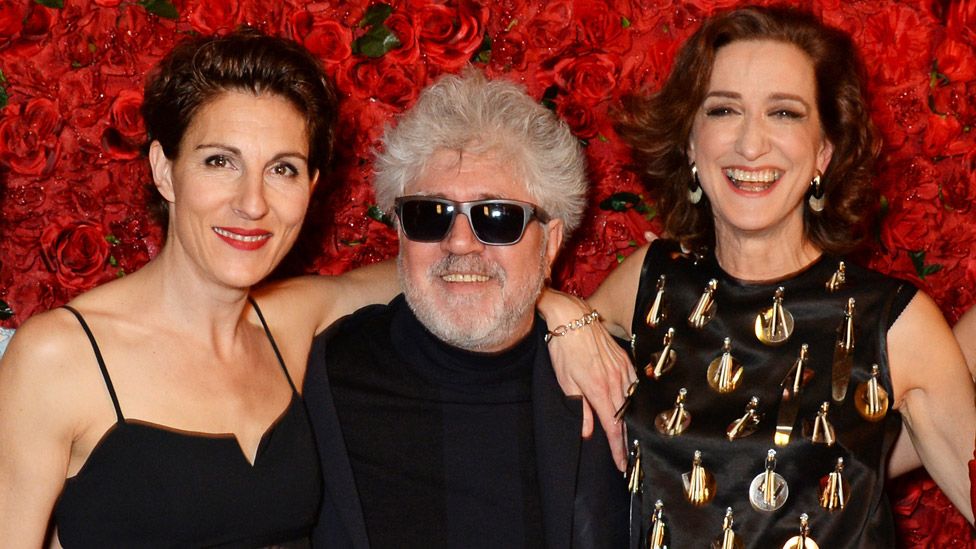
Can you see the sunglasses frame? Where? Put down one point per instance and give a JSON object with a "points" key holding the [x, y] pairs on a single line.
{"points": [[529, 212]]}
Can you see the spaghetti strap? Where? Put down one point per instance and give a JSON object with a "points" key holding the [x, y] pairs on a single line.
{"points": [[274, 345], [101, 362]]}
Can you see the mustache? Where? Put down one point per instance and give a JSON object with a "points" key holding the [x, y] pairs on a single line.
{"points": [[471, 264]]}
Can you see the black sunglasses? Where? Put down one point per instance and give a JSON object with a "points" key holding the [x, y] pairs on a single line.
{"points": [[495, 222]]}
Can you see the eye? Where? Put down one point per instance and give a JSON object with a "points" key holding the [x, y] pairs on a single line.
{"points": [[719, 111], [217, 161], [788, 114], [284, 169]]}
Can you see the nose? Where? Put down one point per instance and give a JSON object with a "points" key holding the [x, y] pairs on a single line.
{"points": [[250, 201], [461, 239], [752, 140]]}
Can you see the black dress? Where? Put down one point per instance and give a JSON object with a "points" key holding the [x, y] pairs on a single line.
{"points": [[146, 485], [818, 313]]}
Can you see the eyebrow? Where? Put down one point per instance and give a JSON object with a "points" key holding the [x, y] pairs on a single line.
{"points": [[236, 151], [774, 96]]}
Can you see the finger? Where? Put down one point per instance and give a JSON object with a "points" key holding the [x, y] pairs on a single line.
{"points": [[587, 420]]}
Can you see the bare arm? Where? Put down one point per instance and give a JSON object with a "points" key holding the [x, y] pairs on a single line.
{"points": [[38, 416], [965, 332], [934, 393], [589, 362]]}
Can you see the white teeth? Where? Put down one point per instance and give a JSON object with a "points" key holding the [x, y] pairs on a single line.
{"points": [[458, 277], [765, 177], [241, 238]]}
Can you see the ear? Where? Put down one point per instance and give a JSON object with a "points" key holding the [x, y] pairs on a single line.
{"points": [[555, 242], [690, 150], [162, 171], [314, 181], [824, 155]]}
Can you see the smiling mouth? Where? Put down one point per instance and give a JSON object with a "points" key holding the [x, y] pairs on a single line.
{"points": [[241, 237], [464, 277], [752, 181]]}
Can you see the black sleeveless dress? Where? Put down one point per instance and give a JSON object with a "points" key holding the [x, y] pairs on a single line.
{"points": [[146, 485], [865, 520]]}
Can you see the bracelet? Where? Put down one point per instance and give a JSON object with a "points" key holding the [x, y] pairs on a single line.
{"points": [[563, 329]]}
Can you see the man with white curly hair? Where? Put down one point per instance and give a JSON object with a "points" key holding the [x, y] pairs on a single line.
{"points": [[438, 417]]}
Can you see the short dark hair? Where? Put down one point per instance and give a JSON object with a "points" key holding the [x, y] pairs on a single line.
{"points": [[658, 126], [198, 70]]}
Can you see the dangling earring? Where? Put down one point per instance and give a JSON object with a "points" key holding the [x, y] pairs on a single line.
{"points": [[694, 190], [816, 199]]}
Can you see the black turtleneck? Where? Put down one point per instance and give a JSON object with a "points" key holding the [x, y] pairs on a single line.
{"points": [[440, 439]]}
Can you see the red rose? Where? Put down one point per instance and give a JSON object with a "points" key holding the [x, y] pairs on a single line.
{"points": [[891, 41], [37, 24], [11, 20], [123, 138], [579, 118], [29, 137], [450, 36], [214, 16], [591, 77], [75, 253], [956, 59], [403, 28], [382, 80], [549, 28], [330, 41], [601, 27]]}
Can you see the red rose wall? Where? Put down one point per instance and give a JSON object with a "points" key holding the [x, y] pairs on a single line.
{"points": [[75, 191]]}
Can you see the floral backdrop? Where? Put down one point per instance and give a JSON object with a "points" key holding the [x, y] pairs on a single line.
{"points": [[75, 191]]}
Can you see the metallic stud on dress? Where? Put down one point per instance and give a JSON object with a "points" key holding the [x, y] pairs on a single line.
{"points": [[663, 360], [631, 389], [775, 324], [823, 431], [725, 372], [635, 476], [660, 535], [675, 421], [768, 491], [838, 279], [658, 312], [834, 488], [789, 406], [802, 541], [843, 355], [817, 200], [694, 188], [747, 424], [728, 539], [705, 308], [871, 399], [699, 483]]}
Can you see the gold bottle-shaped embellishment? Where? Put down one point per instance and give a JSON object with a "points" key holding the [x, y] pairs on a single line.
{"points": [[843, 355], [871, 399], [747, 424], [728, 539], [789, 406], [802, 541], [838, 279], [663, 360], [658, 312], [629, 397], [834, 488], [699, 483], [775, 324], [823, 431], [635, 476], [725, 372], [705, 308], [673, 422], [768, 491], [660, 536]]}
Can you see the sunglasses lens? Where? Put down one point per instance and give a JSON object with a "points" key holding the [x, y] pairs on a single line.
{"points": [[425, 220], [498, 223]]}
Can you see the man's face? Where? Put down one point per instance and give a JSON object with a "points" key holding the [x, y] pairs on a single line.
{"points": [[472, 295]]}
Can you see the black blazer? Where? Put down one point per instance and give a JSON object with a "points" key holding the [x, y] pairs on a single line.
{"points": [[584, 497]]}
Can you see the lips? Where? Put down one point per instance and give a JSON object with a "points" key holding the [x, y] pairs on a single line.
{"points": [[243, 239], [752, 180]]}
